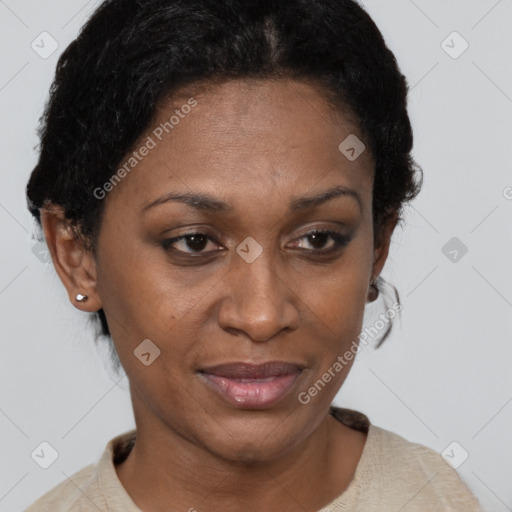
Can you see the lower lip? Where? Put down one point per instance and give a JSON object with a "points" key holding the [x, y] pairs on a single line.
{"points": [[254, 394]]}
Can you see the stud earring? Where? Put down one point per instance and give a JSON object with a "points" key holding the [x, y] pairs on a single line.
{"points": [[81, 298]]}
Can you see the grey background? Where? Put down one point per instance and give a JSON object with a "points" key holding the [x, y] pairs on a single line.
{"points": [[443, 376]]}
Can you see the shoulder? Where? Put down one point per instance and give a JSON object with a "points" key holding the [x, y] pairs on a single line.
{"points": [[394, 473], [69, 494], [415, 476], [94, 487], [402, 456]]}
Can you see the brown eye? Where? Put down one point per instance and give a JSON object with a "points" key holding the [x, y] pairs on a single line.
{"points": [[319, 239], [188, 243]]}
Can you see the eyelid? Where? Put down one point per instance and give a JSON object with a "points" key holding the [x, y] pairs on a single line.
{"points": [[339, 227], [189, 229]]}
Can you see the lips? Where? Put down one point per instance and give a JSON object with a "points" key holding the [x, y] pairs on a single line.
{"points": [[252, 386]]}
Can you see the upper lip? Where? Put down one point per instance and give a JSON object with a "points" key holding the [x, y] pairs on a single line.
{"points": [[240, 370]]}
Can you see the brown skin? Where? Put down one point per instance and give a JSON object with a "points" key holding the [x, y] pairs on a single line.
{"points": [[254, 145]]}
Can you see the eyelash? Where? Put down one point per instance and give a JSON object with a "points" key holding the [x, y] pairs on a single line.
{"points": [[339, 239]]}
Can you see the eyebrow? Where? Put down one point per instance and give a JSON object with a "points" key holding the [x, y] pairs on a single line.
{"points": [[211, 204], [198, 201], [306, 202]]}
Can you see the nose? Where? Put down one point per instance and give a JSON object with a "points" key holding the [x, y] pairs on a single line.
{"points": [[259, 302]]}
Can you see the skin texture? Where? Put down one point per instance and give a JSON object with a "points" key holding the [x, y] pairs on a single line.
{"points": [[254, 145]]}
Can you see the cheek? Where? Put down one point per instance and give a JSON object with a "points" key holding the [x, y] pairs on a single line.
{"points": [[340, 296], [140, 291], [335, 322]]}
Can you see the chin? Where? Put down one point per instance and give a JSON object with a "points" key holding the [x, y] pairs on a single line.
{"points": [[250, 453], [252, 440]]}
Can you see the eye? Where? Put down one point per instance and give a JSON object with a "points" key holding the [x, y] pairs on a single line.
{"points": [[189, 243], [321, 240]]}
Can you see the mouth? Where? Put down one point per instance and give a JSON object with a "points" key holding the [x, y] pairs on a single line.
{"points": [[250, 386]]}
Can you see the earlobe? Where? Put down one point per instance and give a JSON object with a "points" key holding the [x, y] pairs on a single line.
{"points": [[74, 264]]}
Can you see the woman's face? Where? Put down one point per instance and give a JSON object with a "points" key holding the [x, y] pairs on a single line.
{"points": [[254, 284]]}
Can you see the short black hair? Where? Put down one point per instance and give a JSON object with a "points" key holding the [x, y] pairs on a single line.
{"points": [[131, 55]]}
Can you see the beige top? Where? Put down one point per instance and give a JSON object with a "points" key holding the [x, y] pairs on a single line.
{"points": [[392, 475]]}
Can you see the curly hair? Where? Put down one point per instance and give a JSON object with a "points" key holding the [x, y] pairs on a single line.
{"points": [[132, 55]]}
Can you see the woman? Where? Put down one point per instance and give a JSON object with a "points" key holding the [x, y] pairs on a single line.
{"points": [[218, 184]]}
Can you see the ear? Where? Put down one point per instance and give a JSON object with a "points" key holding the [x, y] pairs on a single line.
{"points": [[382, 243], [74, 264]]}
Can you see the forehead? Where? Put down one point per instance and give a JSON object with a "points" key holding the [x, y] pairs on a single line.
{"points": [[246, 135], [272, 113]]}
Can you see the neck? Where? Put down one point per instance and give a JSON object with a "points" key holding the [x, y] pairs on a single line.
{"points": [[165, 471]]}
